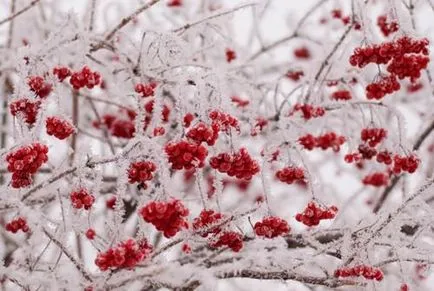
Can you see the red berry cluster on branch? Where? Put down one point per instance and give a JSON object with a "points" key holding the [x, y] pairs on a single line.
{"points": [[271, 227], [58, 127], [313, 214], [62, 73], [325, 141], [308, 111], [367, 152], [368, 272], [230, 55], [376, 179], [241, 103], [24, 162], [38, 85], [384, 157], [408, 66], [203, 224], [27, 109], [204, 133], [167, 216], [405, 163], [224, 121], [81, 198], [239, 164], [146, 90], [373, 136], [294, 75], [17, 224], [141, 172], [125, 255], [85, 78], [386, 27], [230, 239], [386, 85], [341, 95], [117, 125], [290, 175], [186, 155]]}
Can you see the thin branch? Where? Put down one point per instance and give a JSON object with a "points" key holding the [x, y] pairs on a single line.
{"points": [[33, 3]]}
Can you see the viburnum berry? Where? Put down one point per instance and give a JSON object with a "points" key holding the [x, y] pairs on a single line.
{"points": [[354, 157], [302, 53], [203, 224], [165, 113], [341, 95], [386, 27], [224, 121], [186, 155], [126, 255], [240, 102], [167, 216], [290, 174], [38, 85], [188, 118], [230, 55], [85, 78], [27, 109], [17, 224], [414, 87], [367, 152], [146, 90], [384, 157], [373, 136], [308, 111], [313, 214], [81, 198], [239, 164], [62, 73], [261, 122], [386, 85], [204, 133], [58, 127], [308, 141], [404, 287], [330, 140], [294, 75], [111, 202], [141, 172], [271, 227], [408, 66], [377, 179], [90, 233], [230, 239], [368, 272], [186, 248], [174, 3], [405, 163], [24, 162]]}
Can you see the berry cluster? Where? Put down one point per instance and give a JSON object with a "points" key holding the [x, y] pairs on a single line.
{"points": [[373, 136], [58, 127], [27, 109], [313, 214], [290, 175], [17, 224], [386, 85], [38, 85], [146, 90], [259, 126], [85, 78], [302, 53], [168, 217], [386, 27], [231, 239], [203, 224], [384, 157], [294, 75], [240, 102], [271, 227], [81, 199], [239, 164], [350, 158], [366, 151], [24, 162], [377, 179], [325, 141], [62, 73], [117, 125], [141, 172], [223, 120], [408, 66], [230, 55], [341, 95], [203, 133], [308, 111], [405, 163], [337, 14], [127, 255], [368, 272], [186, 155]]}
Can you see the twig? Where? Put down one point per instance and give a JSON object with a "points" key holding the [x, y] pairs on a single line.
{"points": [[33, 3]]}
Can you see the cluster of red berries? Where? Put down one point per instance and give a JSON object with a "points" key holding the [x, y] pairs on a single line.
{"points": [[294, 75], [24, 162], [168, 217], [261, 122], [230, 55], [117, 125], [186, 155], [405, 163], [313, 214], [62, 73], [373, 136], [341, 95], [386, 85], [325, 141], [223, 120], [337, 14], [368, 272], [127, 255], [308, 111], [27, 109], [408, 66], [384, 157], [377, 179], [414, 87], [82, 199], [85, 78], [240, 102], [141, 172], [239, 164], [203, 224], [230, 239], [302, 53], [38, 85], [188, 118], [271, 227], [387, 27], [146, 90], [290, 175], [58, 127], [17, 224], [204, 133]]}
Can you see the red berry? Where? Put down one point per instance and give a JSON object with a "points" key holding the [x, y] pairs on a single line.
{"points": [[271, 227], [239, 164], [82, 199], [90, 234], [58, 127], [38, 85]]}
